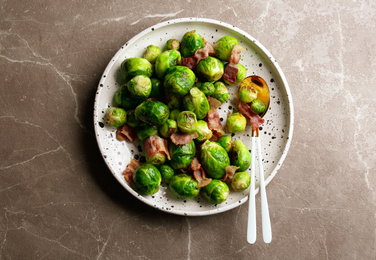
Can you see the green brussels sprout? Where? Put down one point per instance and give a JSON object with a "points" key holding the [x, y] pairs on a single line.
{"points": [[247, 93], [223, 47], [203, 131], [257, 106], [226, 142], [242, 73], [168, 128], [131, 118], [214, 159], [240, 156], [187, 122], [147, 179], [191, 42], [156, 89], [124, 99], [139, 86], [167, 172], [174, 114], [216, 192], [210, 69], [166, 60], [240, 181], [181, 155], [152, 112], [221, 92], [173, 102], [157, 159], [172, 44], [236, 123], [116, 116], [179, 80], [135, 66], [184, 186], [207, 87], [196, 102], [143, 131], [151, 53]]}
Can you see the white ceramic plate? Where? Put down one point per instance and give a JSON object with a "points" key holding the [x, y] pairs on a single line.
{"points": [[275, 135]]}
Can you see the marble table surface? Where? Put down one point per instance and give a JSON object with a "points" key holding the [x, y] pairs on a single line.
{"points": [[58, 199]]}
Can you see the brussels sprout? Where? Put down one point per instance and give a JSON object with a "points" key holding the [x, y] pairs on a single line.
{"points": [[207, 88], [226, 142], [242, 73], [221, 92], [187, 122], [203, 131], [196, 102], [257, 106], [131, 119], [260, 86], [173, 102], [223, 47], [181, 155], [184, 186], [166, 60], [216, 192], [144, 130], [210, 69], [172, 44], [240, 156], [174, 114], [139, 86], [157, 159], [179, 80], [124, 99], [116, 116], [147, 179], [135, 66], [151, 53], [236, 123], [168, 128], [167, 172], [240, 181], [156, 89], [152, 112], [214, 159], [247, 93], [191, 42]]}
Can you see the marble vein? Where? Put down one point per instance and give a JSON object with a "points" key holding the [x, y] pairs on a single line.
{"points": [[189, 239]]}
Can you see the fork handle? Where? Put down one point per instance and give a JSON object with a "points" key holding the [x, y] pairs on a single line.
{"points": [[251, 227]]}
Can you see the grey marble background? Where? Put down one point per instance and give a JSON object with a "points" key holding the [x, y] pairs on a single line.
{"points": [[58, 200]]}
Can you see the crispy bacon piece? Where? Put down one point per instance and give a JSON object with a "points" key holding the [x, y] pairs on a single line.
{"points": [[131, 168], [179, 138], [231, 72], [255, 119], [155, 144], [214, 124], [200, 54], [235, 53], [190, 62], [199, 174], [230, 171], [126, 132]]}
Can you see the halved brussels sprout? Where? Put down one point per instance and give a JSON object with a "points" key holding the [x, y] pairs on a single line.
{"points": [[135, 66], [214, 159], [240, 156], [116, 116], [131, 118], [172, 44], [144, 130], [191, 42], [179, 80], [203, 131], [139, 86], [181, 155], [184, 186], [210, 69], [152, 112], [187, 122], [157, 159], [151, 53], [216, 192], [257, 106], [168, 128], [223, 47], [147, 179], [240, 181], [167, 172], [196, 102], [260, 86], [221, 92], [242, 73], [156, 89], [226, 142], [124, 99], [174, 114], [236, 123], [207, 87], [247, 93], [166, 60]]}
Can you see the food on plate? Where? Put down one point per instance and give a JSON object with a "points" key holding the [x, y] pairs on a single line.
{"points": [[240, 181], [151, 53], [216, 192], [206, 87], [152, 112], [172, 44], [240, 155], [181, 155], [184, 186], [131, 118], [196, 102], [242, 73], [179, 80], [220, 92], [144, 130], [124, 99], [214, 159], [190, 43], [156, 89], [168, 128], [156, 150], [257, 106], [174, 114], [210, 69], [147, 179], [166, 60], [236, 123], [226, 142], [135, 66], [203, 131], [247, 93], [116, 116], [259, 85], [223, 47], [187, 122], [139, 86], [167, 172]]}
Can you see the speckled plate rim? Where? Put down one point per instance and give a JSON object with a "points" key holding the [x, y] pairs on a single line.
{"points": [[262, 48]]}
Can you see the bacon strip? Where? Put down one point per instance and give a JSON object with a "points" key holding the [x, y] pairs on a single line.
{"points": [[235, 53], [126, 132], [230, 171], [213, 102], [255, 119], [179, 138], [200, 54], [214, 124], [231, 72], [155, 144], [131, 168], [190, 62], [199, 174]]}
